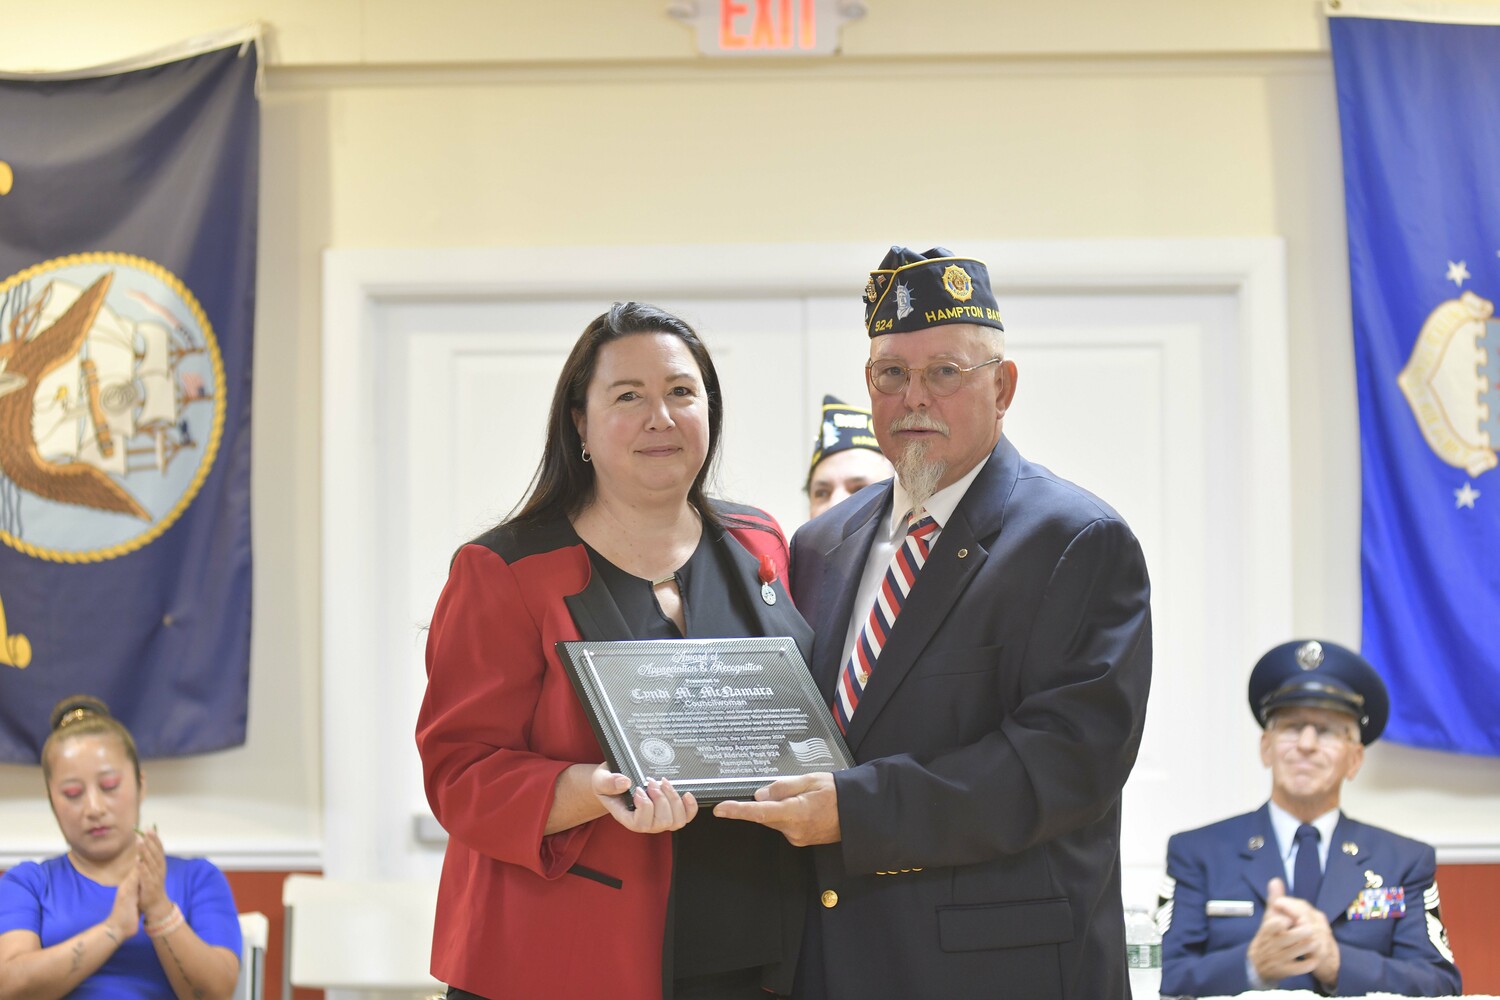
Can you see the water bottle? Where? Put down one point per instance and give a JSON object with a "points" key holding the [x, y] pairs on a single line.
{"points": [[1142, 953]]}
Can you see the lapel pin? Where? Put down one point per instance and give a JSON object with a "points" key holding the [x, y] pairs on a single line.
{"points": [[1373, 881], [1257, 842], [767, 577], [1350, 848], [963, 553]]}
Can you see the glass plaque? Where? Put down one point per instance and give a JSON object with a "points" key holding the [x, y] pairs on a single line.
{"points": [[718, 717]]}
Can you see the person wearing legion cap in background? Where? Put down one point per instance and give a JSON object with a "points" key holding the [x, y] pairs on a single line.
{"points": [[1296, 895], [846, 457], [983, 636]]}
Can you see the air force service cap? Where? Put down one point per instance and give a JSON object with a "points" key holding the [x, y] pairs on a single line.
{"points": [[843, 427], [1320, 674], [912, 291]]}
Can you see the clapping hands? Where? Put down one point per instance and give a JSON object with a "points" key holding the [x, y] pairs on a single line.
{"points": [[1294, 938], [151, 868]]}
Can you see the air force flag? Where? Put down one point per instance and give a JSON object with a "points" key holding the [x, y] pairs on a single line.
{"points": [[1419, 116], [127, 288]]}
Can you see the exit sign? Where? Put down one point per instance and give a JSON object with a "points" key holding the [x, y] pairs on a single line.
{"points": [[768, 27]]}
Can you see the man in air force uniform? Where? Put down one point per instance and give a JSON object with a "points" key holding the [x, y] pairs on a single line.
{"points": [[1297, 895]]}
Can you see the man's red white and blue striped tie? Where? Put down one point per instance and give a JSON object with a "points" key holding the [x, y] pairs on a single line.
{"points": [[899, 577]]}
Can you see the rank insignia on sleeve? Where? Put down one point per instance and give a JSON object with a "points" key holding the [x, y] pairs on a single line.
{"points": [[956, 281], [1378, 904]]}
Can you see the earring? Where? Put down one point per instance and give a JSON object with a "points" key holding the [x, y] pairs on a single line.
{"points": [[586, 456]]}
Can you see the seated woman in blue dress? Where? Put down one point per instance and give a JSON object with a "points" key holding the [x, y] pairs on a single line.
{"points": [[114, 916]]}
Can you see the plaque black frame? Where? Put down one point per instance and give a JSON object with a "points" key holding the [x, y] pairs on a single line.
{"points": [[669, 686]]}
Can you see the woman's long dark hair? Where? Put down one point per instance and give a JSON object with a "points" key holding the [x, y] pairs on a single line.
{"points": [[564, 483]]}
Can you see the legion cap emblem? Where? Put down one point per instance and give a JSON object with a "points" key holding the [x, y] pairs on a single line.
{"points": [[956, 281]]}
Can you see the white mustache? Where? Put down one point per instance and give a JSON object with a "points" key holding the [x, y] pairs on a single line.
{"points": [[918, 421]]}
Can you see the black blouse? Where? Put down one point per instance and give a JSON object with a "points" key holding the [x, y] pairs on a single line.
{"points": [[731, 880]]}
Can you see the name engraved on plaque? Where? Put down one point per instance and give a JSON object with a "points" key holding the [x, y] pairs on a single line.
{"points": [[719, 718]]}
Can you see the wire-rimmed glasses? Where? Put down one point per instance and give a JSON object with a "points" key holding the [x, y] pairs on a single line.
{"points": [[942, 378]]}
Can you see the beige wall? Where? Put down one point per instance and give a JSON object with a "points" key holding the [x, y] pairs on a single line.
{"points": [[479, 123]]}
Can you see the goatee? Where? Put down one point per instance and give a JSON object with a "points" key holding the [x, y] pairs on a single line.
{"points": [[918, 476]]}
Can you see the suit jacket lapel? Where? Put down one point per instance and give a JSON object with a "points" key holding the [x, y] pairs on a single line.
{"points": [[1262, 863], [845, 562], [779, 619], [598, 617], [937, 589], [980, 514], [1344, 873], [594, 611]]}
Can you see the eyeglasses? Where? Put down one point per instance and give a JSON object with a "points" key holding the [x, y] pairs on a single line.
{"points": [[1329, 734], [942, 378]]}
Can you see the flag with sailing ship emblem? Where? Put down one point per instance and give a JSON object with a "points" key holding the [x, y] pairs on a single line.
{"points": [[127, 291], [1419, 116]]}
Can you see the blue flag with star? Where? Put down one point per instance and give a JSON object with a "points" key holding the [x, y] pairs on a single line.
{"points": [[128, 204], [1419, 118]]}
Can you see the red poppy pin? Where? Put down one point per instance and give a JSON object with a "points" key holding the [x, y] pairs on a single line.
{"points": [[767, 577]]}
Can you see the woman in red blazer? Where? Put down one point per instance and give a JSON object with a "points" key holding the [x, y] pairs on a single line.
{"points": [[552, 887]]}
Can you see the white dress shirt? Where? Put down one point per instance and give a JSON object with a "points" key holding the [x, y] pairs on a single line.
{"points": [[1284, 825]]}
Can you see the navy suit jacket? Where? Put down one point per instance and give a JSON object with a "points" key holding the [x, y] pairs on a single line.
{"points": [[1233, 860], [981, 824]]}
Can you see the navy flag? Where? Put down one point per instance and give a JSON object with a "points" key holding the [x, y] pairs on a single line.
{"points": [[1419, 115], [127, 294]]}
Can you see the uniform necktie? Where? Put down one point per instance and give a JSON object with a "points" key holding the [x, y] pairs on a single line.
{"points": [[907, 562], [1307, 875]]}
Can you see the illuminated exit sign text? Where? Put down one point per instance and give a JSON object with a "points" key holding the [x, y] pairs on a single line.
{"points": [[768, 27]]}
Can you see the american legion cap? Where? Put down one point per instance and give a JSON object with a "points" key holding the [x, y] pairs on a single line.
{"points": [[842, 427], [1320, 674], [912, 291]]}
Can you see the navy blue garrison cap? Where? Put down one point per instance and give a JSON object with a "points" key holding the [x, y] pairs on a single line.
{"points": [[1320, 674], [912, 291], [843, 426]]}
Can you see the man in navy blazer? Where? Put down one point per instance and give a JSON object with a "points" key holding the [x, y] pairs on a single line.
{"points": [[1297, 895], [974, 848]]}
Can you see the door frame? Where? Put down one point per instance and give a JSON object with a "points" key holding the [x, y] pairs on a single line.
{"points": [[358, 282]]}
